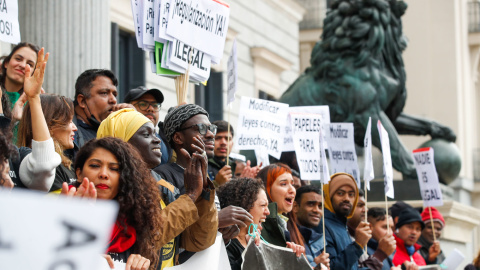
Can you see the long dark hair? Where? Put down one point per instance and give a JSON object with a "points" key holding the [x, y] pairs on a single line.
{"points": [[58, 112], [3, 74], [138, 195]]}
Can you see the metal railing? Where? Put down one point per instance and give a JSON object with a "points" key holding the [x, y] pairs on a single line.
{"points": [[473, 16]]}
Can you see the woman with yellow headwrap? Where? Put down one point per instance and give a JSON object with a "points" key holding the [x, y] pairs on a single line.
{"points": [[188, 214]]}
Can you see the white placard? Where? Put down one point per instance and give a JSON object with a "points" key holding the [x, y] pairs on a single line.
{"points": [[341, 149], [260, 125], [158, 20], [322, 110], [306, 131], [202, 24], [427, 177], [137, 21], [453, 260], [232, 77], [53, 232], [9, 26], [116, 265], [262, 158], [213, 258], [148, 25], [368, 172], [387, 160], [163, 22], [181, 54]]}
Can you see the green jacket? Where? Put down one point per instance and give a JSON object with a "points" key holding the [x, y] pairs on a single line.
{"points": [[272, 231]]}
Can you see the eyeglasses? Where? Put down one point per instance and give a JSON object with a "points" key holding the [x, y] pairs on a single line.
{"points": [[143, 105], [202, 128]]}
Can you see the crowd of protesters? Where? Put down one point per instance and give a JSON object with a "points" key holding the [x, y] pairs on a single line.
{"points": [[177, 185]]}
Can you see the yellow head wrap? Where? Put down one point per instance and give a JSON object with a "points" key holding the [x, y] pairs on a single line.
{"points": [[121, 124], [327, 189]]}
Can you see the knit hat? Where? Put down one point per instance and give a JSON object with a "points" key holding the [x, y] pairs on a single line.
{"points": [[409, 215], [121, 124], [334, 184], [398, 207], [177, 116], [436, 215]]}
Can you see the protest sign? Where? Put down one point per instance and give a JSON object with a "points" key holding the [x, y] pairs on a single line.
{"points": [[271, 257], [261, 125], [9, 26], [322, 110], [184, 55], [53, 232], [159, 48], [137, 18], [161, 31], [341, 149], [427, 177], [213, 258], [387, 160], [368, 173], [232, 76], [202, 24], [453, 260], [148, 23], [306, 132]]}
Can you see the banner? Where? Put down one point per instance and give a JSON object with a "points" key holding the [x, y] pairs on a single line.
{"points": [[213, 258], [368, 172], [341, 149], [260, 125], [202, 24], [322, 110], [232, 77], [387, 160], [53, 232], [427, 177], [9, 26], [306, 131]]}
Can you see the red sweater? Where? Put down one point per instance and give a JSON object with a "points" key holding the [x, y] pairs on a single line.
{"points": [[401, 254]]}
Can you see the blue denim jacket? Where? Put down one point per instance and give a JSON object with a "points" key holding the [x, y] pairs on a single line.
{"points": [[313, 243]]}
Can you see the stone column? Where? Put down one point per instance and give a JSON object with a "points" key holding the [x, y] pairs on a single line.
{"points": [[76, 33]]}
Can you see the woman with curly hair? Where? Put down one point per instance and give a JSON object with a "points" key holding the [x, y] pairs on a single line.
{"points": [[7, 151], [249, 194], [278, 229], [118, 173]]}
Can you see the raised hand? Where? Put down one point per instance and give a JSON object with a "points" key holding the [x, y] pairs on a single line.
{"points": [[193, 176], [32, 86]]}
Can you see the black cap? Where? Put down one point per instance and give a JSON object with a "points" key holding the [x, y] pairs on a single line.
{"points": [[398, 207], [136, 93], [409, 215]]}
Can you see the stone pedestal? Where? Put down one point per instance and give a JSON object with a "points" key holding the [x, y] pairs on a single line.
{"points": [[76, 33]]}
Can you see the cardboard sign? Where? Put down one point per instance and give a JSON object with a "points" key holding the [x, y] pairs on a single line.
{"points": [[427, 177], [137, 19], [260, 125], [368, 173], [306, 131], [322, 110], [148, 23], [184, 55], [161, 31], [202, 24], [53, 232], [159, 48], [9, 26], [387, 160], [213, 258], [232, 77], [341, 149]]}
